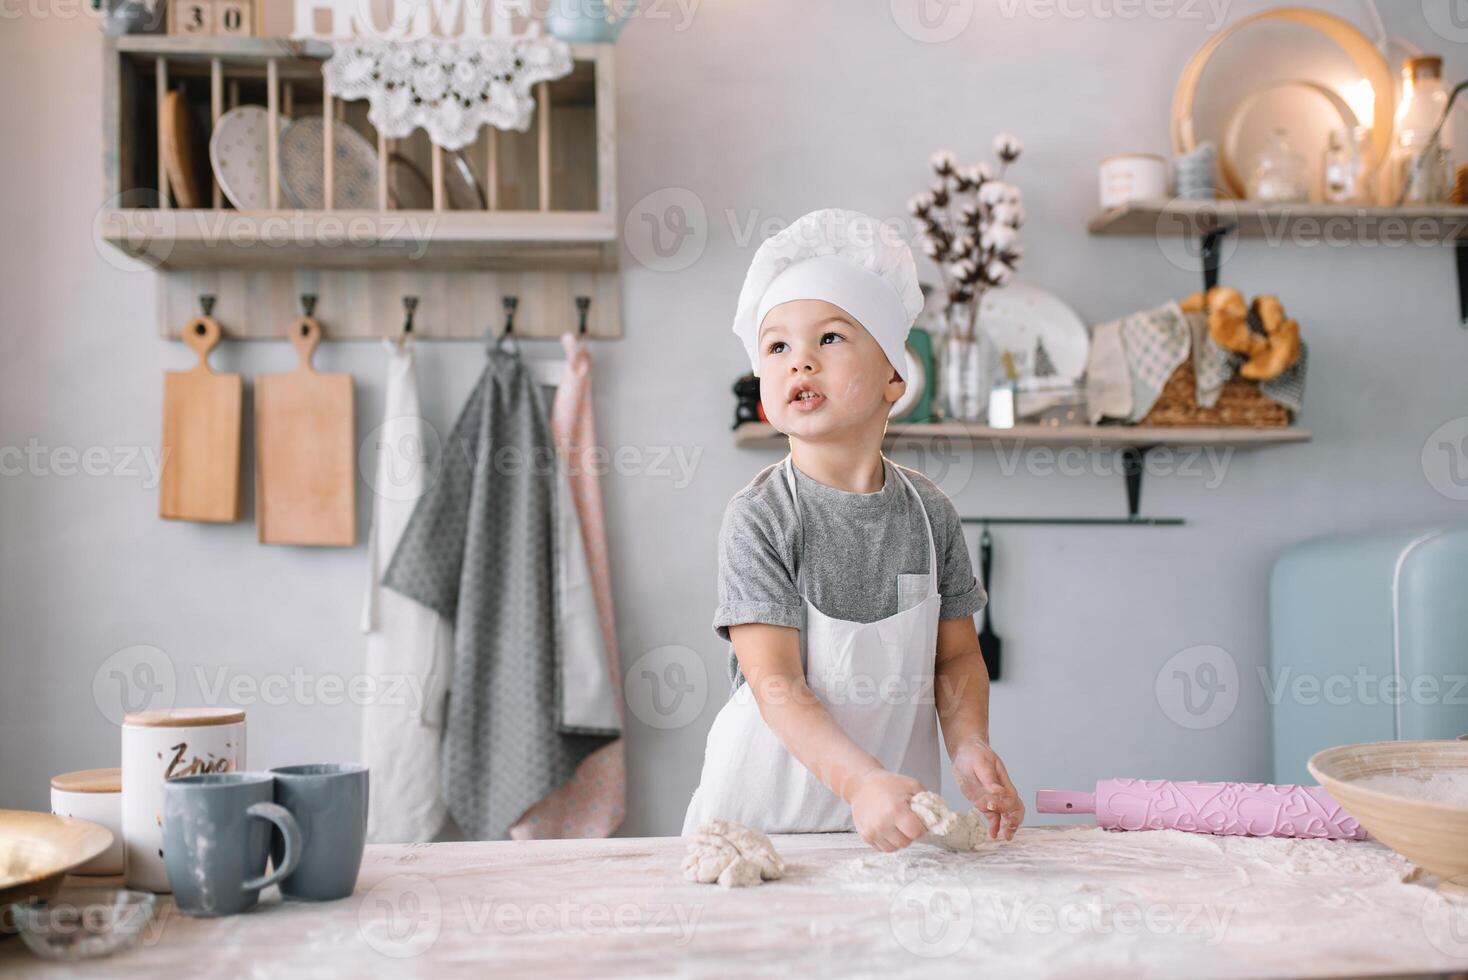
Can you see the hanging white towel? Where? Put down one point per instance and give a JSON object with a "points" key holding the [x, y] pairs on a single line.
{"points": [[409, 646]]}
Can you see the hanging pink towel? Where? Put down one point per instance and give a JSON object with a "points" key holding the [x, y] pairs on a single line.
{"points": [[594, 801]]}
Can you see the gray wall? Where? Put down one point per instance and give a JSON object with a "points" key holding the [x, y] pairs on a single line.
{"points": [[757, 111]]}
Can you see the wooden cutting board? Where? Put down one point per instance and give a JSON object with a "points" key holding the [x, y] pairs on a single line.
{"points": [[201, 435], [183, 156], [305, 473]]}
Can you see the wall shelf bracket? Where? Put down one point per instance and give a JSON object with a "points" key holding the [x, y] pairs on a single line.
{"points": [[1133, 465]]}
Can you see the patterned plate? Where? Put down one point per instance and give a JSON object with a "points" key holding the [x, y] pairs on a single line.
{"points": [[1045, 336], [301, 159], [240, 155]]}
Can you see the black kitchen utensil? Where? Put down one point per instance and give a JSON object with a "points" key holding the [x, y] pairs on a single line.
{"points": [[989, 641]]}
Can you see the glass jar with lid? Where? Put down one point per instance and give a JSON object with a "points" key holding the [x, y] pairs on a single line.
{"points": [[1422, 162]]}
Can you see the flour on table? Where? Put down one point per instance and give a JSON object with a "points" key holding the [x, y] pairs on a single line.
{"points": [[1434, 786], [732, 855], [949, 830], [1060, 901]]}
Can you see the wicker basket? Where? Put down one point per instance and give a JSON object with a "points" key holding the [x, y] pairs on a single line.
{"points": [[1241, 403]]}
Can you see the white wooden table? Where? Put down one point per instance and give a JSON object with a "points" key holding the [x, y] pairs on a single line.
{"points": [[1055, 902]]}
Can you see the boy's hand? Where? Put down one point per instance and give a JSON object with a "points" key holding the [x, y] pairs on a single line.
{"points": [[881, 808], [984, 780]]}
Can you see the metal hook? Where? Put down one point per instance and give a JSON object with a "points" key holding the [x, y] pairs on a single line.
{"points": [[583, 305], [410, 305], [308, 304], [510, 302], [206, 303]]}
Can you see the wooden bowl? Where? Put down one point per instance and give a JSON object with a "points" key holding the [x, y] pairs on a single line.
{"points": [[1434, 836], [38, 849]]}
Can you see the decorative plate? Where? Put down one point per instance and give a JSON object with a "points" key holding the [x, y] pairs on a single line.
{"points": [[1046, 338], [301, 171], [460, 184], [239, 152], [406, 185]]}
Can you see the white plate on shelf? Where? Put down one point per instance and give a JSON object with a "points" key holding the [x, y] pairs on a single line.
{"points": [[239, 153], [1020, 319], [302, 149]]}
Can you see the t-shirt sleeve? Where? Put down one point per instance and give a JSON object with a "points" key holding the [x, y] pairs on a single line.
{"points": [[963, 594], [755, 580]]}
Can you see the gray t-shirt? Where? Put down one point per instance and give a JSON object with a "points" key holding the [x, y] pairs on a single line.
{"points": [[866, 554]]}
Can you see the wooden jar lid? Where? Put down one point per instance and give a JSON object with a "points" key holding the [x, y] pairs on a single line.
{"points": [[184, 717], [89, 781]]}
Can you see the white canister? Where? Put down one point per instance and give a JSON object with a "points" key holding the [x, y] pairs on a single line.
{"points": [[162, 745], [95, 795], [1132, 177]]}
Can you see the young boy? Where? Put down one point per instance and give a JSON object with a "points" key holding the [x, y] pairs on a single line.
{"points": [[844, 580]]}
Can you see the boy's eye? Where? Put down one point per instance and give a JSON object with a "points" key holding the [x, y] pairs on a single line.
{"points": [[831, 333], [774, 348]]}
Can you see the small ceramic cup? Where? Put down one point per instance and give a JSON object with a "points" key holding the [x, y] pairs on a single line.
{"points": [[329, 802], [216, 840]]}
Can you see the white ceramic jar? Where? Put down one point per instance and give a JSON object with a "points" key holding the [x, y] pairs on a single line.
{"points": [[162, 745], [95, 795], [1131, 177]]}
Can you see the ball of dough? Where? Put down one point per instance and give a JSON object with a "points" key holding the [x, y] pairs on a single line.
{"points": [[732, 855], [949, 830]]}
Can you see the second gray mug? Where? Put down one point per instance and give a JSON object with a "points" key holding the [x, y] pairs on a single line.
{"points": [[329, 802]]}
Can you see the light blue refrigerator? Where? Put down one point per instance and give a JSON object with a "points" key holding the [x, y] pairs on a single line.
{"points": [[1368, 642]]}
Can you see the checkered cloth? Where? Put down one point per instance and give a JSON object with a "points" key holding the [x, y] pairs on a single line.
{"points": [[1213, 365], [1289, 388], [1156, 342]]}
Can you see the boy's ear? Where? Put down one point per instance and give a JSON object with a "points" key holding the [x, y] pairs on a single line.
{"points": [[896, 387]]}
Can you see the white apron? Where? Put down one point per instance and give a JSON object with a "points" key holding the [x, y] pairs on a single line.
{"points": [[875, 679]]}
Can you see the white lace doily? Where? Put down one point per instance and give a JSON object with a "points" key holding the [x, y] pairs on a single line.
{"points": [[449, 86]]}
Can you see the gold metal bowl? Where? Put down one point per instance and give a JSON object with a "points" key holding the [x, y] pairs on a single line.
{"points": [[38, 849]]}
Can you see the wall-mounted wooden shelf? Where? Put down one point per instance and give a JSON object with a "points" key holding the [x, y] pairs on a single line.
{"points": [[494, 241], [761, 435], [1295, 223], [541, 225], [1132, 442]]}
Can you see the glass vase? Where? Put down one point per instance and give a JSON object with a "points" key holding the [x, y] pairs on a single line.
{"points": [[965, 377]]}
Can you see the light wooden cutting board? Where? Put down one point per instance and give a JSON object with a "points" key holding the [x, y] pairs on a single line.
{"points": [[201, 435], [305, 473]]}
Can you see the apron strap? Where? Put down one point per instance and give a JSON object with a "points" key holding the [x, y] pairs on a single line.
{"points": [[928, 527], [789, 467], [799, 528]]}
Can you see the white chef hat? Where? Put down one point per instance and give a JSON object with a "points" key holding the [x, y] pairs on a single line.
{"points": [[845, 258]]}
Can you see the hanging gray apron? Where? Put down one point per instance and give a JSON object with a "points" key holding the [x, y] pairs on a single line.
{"points": [[479, 549]]}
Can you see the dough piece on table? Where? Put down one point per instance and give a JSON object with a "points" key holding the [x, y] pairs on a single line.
{"points": [[732, 855], [949, 830]]}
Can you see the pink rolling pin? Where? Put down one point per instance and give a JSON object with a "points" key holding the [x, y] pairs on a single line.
{"points": [[1246, 809]]}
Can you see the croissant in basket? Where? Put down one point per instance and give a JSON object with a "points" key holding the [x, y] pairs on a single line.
{"points": [[1269, 341]]}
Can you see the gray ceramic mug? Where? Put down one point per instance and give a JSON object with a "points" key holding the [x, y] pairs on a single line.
{"points": [[217, 830], [329, 802]]}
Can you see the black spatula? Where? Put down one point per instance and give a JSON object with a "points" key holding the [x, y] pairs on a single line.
{"points": [[989, 641]]}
